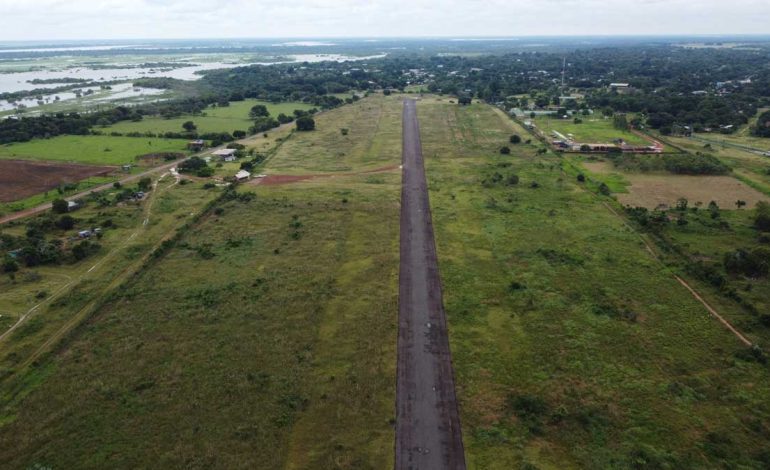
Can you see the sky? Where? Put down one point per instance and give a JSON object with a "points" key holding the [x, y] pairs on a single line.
{"points": [[127, 19]]}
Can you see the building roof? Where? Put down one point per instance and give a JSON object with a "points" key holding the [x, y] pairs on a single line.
{"points": [[243, 174], [619, 85], [224, 152]]}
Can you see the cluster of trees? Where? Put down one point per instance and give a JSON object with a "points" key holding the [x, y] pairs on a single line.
{"points": [[762, 128], [37, 248]]}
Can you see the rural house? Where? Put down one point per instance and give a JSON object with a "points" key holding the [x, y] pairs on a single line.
{"points": [[226, 155]]}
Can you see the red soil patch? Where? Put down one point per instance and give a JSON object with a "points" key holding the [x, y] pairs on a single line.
{"points": [[20, 179], [274, 180]]}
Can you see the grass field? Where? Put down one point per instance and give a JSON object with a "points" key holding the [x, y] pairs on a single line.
{"points": [[572, 347], [214, 119], [592, 130], [265, 339], [91, 150]]}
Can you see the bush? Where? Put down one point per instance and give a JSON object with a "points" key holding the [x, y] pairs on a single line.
{"points": [[515, 139], [604, 189], [59, 206], [145, 184], [305, 123], [762, 217], [752, 263], [10, 265], [581, 178], [505, 151], [66, 222], [205, 172]]}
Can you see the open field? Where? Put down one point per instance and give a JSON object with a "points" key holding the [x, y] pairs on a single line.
{"points": [[90, 150], [652, 191], [572, 347], [657, 190], [270, 323], [214, 119], [592, 130], [20, 179]]}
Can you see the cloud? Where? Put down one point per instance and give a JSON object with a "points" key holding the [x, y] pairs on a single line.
{"points": [[107, 19]]}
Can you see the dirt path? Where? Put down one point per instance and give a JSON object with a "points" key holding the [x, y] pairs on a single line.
{"points": [[428, 434], [78, 317]]}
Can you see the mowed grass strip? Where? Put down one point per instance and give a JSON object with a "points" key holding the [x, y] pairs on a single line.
{"points": [[213, 119], [265, 339], [572, 347], [91, 150], [372, 141], [593, 130]]}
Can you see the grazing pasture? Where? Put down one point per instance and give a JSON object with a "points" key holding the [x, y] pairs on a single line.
{"points": [[213, 119], [90, 149]]}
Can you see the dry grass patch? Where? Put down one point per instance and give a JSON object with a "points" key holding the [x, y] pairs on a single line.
{"points": [[652, 191]]}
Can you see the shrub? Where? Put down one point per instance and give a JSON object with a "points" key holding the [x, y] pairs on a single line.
{"points": [[604, 189], [505, 150], [305, 123], [515, 139], [762, 217], [59, 206], [581, 178], [753, 263], [66, 222]]}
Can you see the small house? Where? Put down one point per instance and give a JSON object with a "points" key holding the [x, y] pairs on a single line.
{"points": [[226, 155], [242, 175], [196, 145], [84, 234], [72, 206]]}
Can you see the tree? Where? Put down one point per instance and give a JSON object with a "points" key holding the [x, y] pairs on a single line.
{"points": [[239, 134], [59, 206], [620, 122], [284, 119], [515, 139], [740, 203], [505, 151], [464, 100], [386, 92], [604, 189], [10, 265], [305, 123], [66, 222], [189, 126], [145, 184], [259, 110], [581, 178], [762, 218], [714, 210]]}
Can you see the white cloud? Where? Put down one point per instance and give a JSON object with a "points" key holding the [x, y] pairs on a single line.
{"points": [[104, 19]]}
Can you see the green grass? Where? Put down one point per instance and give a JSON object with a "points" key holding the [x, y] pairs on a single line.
{"points": [[214, 119], [265, 339], [594, 129], [572, 347], [91, 150]]}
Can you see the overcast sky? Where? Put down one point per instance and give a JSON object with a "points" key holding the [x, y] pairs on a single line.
{"points": [[126, 19]]}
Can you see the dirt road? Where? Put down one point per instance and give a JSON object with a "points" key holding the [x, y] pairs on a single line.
{"points": [[428, 434]]}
